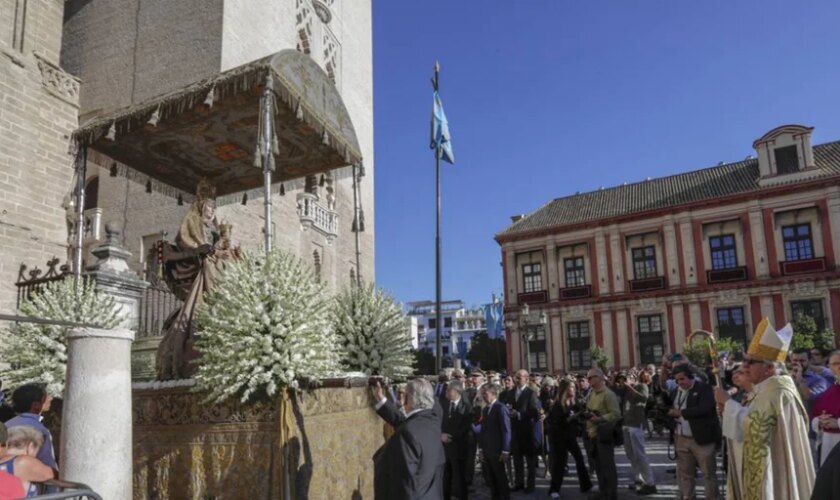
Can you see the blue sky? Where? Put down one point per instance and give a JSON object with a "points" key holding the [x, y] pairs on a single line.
{"points": [[550, 97]]}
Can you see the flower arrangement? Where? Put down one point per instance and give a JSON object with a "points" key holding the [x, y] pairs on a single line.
{"points": [[37, 352], [262, 328], [373, 332]]}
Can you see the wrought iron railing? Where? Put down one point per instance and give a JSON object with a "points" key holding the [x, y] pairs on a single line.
{"points": [[313, 214], [34, 280], [156, 305]]}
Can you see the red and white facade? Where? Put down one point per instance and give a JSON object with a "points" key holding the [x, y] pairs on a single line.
{"points": [[638, 283]]}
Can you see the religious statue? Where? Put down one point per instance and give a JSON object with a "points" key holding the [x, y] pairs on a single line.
{"points": [[191, 268]]}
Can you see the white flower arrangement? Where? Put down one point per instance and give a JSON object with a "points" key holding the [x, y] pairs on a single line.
{"points": [[262, 328], [373, 332], [37, 352]]}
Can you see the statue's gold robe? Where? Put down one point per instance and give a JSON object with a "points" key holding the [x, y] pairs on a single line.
{"points": [[776, 461]]}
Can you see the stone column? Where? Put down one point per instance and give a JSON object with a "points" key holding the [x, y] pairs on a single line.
{"points": [[96, 444]]}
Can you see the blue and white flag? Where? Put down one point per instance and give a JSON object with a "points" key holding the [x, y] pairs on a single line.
{"points": [[441, 142], [494, 319]]}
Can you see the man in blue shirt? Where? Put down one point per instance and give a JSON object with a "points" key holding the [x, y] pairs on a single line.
{"points": [[810, 382], [29, 401]]}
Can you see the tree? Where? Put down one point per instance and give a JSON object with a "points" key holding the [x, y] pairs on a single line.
{"points": [[698, 352], [488, 353], [804, 332], [599, 357], [424, 362]]}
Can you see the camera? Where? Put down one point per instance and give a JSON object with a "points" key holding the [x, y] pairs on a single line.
{"points": [[376, 379]]}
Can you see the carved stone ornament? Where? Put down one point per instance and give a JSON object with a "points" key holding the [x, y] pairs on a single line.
{"points": [[647, 304], [576, 312], [804, 288], [730, 295], [57, 82], [322, 11]]}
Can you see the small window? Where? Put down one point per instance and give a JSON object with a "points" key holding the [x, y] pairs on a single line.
{"points": [[316, 261], [532, 277], [432, 323], [644, 262], [787, 160], [447, 322], [723, 252], [731, 324], [575, 274], [797, 242]]}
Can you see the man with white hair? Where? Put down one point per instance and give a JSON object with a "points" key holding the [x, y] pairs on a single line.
{"points": [[410, 464], [777, 459]]}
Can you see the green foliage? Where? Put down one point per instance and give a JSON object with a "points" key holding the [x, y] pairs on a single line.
{"points": [[599, 357], [373, 332], [488, 353], [424, 362], [698, 352], [38, 353], [804, 332], [264, 327]]}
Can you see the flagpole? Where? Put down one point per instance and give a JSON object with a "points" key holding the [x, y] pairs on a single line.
{"points": [[438, 320]]}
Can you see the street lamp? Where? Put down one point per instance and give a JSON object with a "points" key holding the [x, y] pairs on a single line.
{"points": [[528, 326]]}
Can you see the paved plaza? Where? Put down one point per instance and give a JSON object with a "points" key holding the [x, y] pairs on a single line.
{"points": [[657, 449]]}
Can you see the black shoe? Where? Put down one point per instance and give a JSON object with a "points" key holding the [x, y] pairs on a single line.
{"points": [[529, 489], [584, 489], [518, 487], [647, 489]]}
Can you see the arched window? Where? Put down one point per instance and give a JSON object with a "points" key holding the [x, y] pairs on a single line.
{"points": [[92, 193]]}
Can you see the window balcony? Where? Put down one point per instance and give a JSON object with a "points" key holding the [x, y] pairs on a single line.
{"points": [[576, 292], [727, 275], [539, 297], [313, 215], [803, 266], [647, 284]]}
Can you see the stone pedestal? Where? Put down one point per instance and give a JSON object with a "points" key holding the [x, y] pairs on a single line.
{"points": [[96, 425], [114, 277]]}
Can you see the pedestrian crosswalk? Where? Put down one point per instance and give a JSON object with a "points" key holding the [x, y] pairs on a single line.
{"points": [[660, 454]]}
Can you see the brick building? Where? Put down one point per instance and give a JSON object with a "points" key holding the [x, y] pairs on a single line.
{"points": [[38, 112], [126, 52], [635, 268]]}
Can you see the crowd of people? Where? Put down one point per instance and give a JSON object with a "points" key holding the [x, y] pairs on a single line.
{"points": [[27, 456], [772, 418]]}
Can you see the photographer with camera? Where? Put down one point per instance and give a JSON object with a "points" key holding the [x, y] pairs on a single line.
{"points": [[633, 428], [565, 424], [603, 410]]}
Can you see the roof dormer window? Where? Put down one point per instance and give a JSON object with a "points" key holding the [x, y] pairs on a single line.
{"points": [[785, 155], [787, 159]]}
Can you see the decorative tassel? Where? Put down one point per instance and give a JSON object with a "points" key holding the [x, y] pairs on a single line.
{"points": [[361, 169], [211, 96], [325, 139], [322, 181], [282, 189], [155, 118], [361, 220], [149, 186], [258, 156], [180, 199], [299, 112], [245, 198], [113, 170], [275, 145], [112, 132]]}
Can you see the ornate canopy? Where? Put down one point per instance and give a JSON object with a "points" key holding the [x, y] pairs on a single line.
{"points": [[210, 128]]}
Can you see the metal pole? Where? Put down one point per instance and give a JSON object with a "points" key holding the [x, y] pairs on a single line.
{"points": [[439, 322], [358, 223], [81, 170], [267, 154]]}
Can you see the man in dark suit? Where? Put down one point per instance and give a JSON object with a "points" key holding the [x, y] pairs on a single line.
{"points": [[440, 388], [473, 396], [697, 432], [495, 438], [457, 424], [410, 464], [524, 415]]}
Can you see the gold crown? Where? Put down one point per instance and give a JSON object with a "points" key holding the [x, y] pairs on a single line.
{"points": [[204, 190]]}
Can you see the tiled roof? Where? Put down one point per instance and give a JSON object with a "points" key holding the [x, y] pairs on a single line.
{"points": [[679, 189]]}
